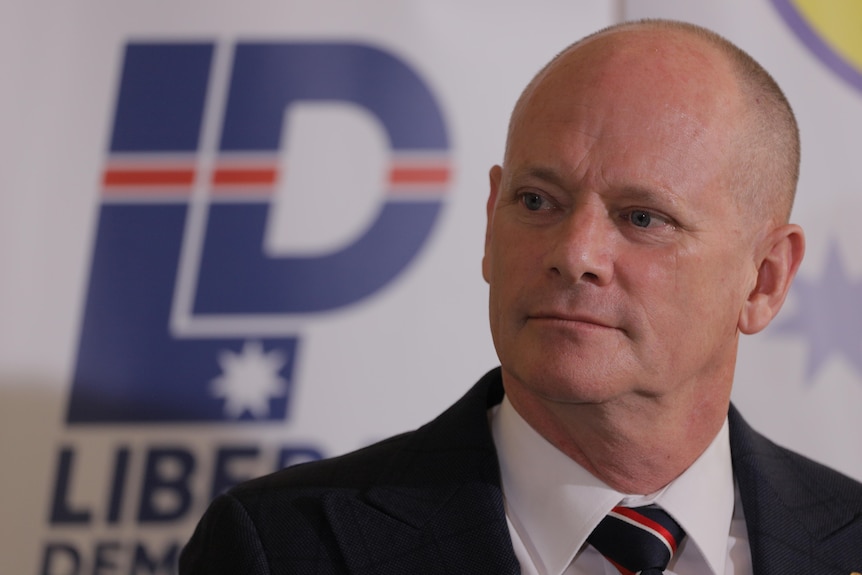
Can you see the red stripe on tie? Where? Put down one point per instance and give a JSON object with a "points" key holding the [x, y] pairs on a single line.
{"points": [[647, 522], [620, 568]]}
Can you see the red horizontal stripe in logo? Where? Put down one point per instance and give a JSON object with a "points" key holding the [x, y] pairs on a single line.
{"points": [[151, 177], [419, 175], [236, 176]]}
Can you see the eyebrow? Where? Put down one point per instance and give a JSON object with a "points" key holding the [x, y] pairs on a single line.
{"points": [[539, 173], [632, 192], [647, 195]]}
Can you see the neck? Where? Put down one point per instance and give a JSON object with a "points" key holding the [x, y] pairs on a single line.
{"points": [[637, 444]]}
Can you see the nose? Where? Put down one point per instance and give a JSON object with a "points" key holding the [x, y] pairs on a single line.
{"points": [[582, 247]]}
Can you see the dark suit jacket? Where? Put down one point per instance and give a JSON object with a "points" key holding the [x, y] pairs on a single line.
{"points": [[430, 501]]}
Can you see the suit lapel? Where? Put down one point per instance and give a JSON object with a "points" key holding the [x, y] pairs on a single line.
{"points": [[437, 507], [797, 520]]}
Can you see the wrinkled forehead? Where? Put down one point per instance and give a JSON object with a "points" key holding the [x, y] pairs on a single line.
{"points": [[658, 73], [621, 112]]}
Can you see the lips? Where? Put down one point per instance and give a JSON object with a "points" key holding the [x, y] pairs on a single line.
{"points": [[571, 318]]}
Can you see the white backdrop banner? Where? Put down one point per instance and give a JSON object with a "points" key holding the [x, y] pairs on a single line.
{"points": [[236, 236]]}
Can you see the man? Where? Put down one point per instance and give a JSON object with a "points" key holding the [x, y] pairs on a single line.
{"points": [[637, 226]]}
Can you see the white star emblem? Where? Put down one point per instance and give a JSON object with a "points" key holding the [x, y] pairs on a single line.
{"points": [[249, 380]]}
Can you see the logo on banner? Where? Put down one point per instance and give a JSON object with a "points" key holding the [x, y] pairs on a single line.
{"points": [[188, 317], [827, 314], [831, 31]]}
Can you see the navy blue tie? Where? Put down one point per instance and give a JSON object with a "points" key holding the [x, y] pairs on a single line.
{"points": [[637, 540]]}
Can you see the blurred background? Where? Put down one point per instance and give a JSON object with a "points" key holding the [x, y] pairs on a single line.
{"points": [[236, 236]]}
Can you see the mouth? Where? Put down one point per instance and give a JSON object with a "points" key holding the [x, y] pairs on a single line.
{"points": [[570, 319]]}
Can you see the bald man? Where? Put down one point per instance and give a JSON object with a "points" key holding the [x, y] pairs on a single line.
{"points": [[639, 223]]}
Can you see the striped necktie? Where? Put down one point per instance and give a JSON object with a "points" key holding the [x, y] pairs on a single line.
{"points": [[637, 540]]}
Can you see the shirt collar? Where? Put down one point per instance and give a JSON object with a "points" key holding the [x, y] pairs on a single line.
{"points": [[554, 503], [702, 499]]}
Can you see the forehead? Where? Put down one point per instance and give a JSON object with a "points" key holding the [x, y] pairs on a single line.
{"points": [[659, 65], [659, 104]]}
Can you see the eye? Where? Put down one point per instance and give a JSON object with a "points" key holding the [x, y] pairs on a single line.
{"points": [[640, 218], [646, 219], [533, 202]]}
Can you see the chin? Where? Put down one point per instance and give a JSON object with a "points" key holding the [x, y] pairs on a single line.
{"points": [[562, 384]]}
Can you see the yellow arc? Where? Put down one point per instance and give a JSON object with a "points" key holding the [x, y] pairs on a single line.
{"points": [[838, 23]]}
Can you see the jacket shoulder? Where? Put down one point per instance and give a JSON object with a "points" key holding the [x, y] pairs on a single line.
{"points": [[356, 469], [792, 476], [802, 516]]}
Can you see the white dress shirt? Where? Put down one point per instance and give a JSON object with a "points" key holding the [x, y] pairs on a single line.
{"points": [[553, 504]]}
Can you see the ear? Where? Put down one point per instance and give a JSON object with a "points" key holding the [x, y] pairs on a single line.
{"points": [[780, 255], [495, 177]]}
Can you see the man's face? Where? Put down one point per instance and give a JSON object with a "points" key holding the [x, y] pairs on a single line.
{"points": [[618, 259]]}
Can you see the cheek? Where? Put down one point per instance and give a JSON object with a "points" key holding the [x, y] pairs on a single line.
{"points": [[703, 290], [486, 267], [514, 274], [498, 271], [671, 291], [509, 259]]}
